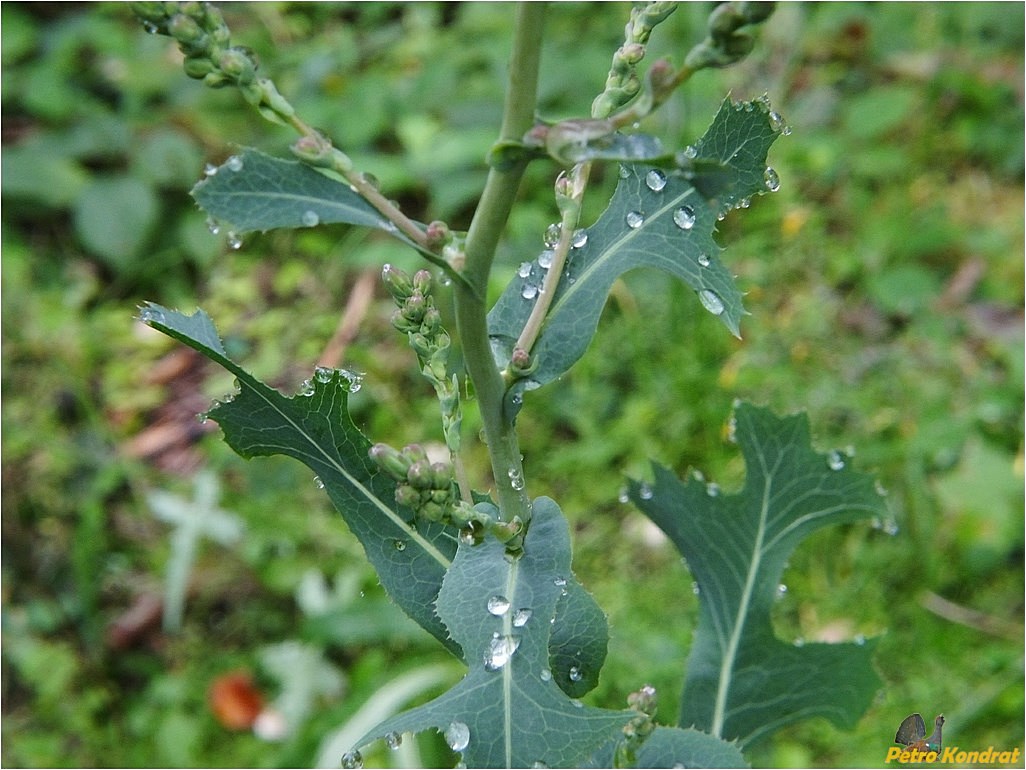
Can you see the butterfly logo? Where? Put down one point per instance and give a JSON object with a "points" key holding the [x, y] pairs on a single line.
{"points": [[912, 733]]}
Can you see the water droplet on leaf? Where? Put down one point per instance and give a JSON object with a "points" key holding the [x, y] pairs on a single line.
{"points": [[399, 545], [624, 495], [457, 735], [781, 591], [859, 639], [575, 674], [712, 489], [703, 260], [524, 270], [711, 301], [234, 241], [684, 217], [521, 616], [394, 740], [310, 218], [499, 652], [209, 169], [234, 163], [695, 589], [645, 491], [545, 675], [835, 461], [213, 226], [559, 581], [772, 179], [776, 122], [370, 179], [318, 483], [352, 760], [323, 374], [530, 291], [624, 171], [580, 239], [655, 180], [545, 259], [498, 605], [691, 152], [635, 219]]}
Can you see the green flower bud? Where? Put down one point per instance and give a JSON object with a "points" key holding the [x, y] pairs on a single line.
{"points": [[421, 345], [724, 20], [402, 323], [275, 101], [644, 700], [432, 321], [422, 282], [407, 496], [631, 53], [756, 13], [415, 306], [437, 235], [389, 460], [216, 79], [443, 474], [441, 496], [420, 476], [238, 63], [433, 511], [314, 149], [415, 453], [198, 66], [397, 282]]}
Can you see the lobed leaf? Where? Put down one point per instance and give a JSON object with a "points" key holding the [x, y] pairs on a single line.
{"points": [[676, 747], [410, 555], [512, 714], [656, 218], [742, 682]]}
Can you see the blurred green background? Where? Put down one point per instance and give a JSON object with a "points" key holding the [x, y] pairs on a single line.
{"points": [[885, 282]]}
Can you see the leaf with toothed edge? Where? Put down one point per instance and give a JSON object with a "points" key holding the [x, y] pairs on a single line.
{"points": [[662, 218], [512, 714], [676, 747], [410, 556], [742, 682]]}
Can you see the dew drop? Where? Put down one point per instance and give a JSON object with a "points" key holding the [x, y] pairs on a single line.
{"points": [[891, 527], [545, 259], [684, 217], [524, 270], [399, 545], [498, 605], [394, 740], [635, 219], [776, 121], [695, 589], [323, 374], [799, 642], [575, 674], [530, 291], [234, 163], [545, 675], [213, 226], [354, 380], [150, 27], [860, 639], [624, 496], [318, 483], [580, 239], [467, 536], [559, 581], [551, 237], [209, 170], [691, 152], [711, 301], [645, 491], [310, 218], [539, 764], [370, 179], [516, 479], [150, 315], [712, 489], [772, 179], [576, 703], [703, 260], [500, 650], [234, 241], [457, 735], [781, 591], [521, 616], [352, 759], [655, 180], [624, 171], [744, 203], [835, 461]]}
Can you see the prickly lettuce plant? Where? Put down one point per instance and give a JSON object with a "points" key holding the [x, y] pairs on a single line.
{"points": [[488, 573]]}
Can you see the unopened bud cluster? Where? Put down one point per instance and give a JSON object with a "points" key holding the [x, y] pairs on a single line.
{"points": [[731, 27], [622, 83], [417, 317], [425, 487], [204, 38], [639, 728]]}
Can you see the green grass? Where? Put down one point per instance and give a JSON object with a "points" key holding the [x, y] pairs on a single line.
{"points": [[885, 282]]}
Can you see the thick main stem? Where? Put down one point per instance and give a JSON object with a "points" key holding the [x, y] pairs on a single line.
{"points": [[482, 239]]}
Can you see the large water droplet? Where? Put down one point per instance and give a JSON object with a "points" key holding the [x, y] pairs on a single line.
{"points": [[635, 219], [234, 163], [551, 237], [354, 380], [703, 260], [835, 461], [521, 616], [530, 291], [524, 270], [150, 315], [394, 740], [545, 259], [318, 483], [776, 121], [580, 239], [310, 218], [352, 760], [655, 180], [499, 651], [323, 374], [772, 179], [498, 605], [684, 217], [711, 301], [545, 675], [457, 735], [691, 152], [399, 545], [575, 674]]}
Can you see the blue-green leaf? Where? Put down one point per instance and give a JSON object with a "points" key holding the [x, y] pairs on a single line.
{"points": [[508, 711], [677, 747], [663, 218], [742, 682]]}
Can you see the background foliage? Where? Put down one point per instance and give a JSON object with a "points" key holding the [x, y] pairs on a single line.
{"points": [[885, 279]]}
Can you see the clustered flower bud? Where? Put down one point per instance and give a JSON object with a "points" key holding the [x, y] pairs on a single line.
{"points": [[427, 488], [639, 727], [730, 34], [204, 38]]}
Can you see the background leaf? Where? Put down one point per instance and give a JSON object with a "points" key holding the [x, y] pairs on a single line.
{"points": [[677, 747], [742, 682], [514, 714], [656, 219]]}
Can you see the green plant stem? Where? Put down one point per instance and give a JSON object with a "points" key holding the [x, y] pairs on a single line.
{"points": [[482, 239]]}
